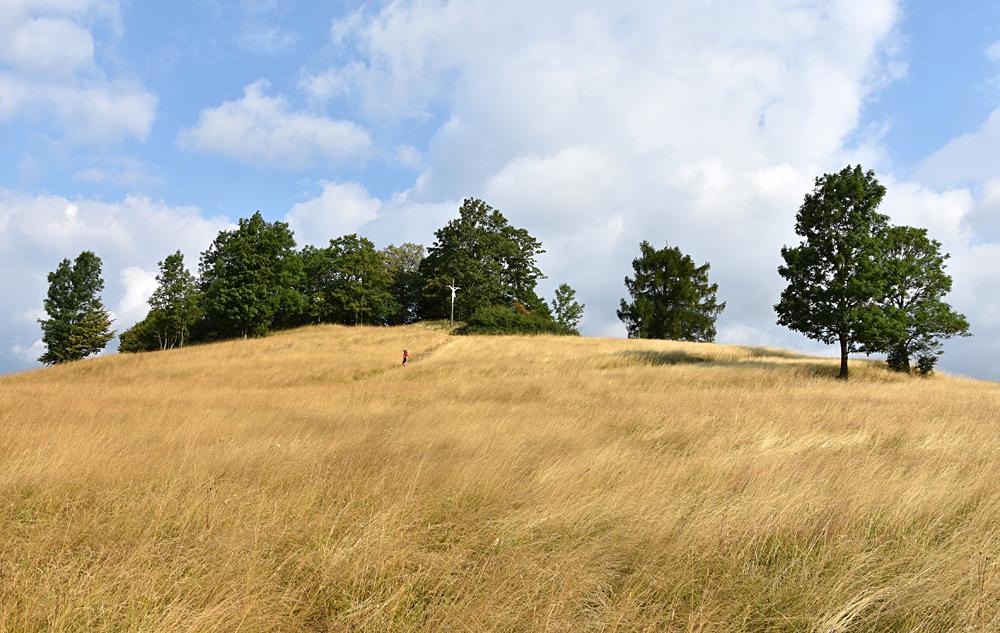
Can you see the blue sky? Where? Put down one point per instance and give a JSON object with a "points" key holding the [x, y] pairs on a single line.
{"points": [[134, 129]]}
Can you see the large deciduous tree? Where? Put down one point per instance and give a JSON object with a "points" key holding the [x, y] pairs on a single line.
{"points": [[835, 277], [403, 264], [915, 314], [250, 278], [348, 282], [492, 262], [671, 297], [78, 324]]}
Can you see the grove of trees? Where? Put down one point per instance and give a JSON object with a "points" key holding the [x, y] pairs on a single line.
{"points": [[854, 280]]}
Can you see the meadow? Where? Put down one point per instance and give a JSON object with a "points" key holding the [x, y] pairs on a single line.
{"points": [[307, 482]]}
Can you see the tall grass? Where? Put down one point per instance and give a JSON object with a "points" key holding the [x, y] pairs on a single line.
{"points": [[307, 482]]}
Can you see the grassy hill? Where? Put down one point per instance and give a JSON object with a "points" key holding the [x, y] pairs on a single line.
{"points": [[306, 482]]}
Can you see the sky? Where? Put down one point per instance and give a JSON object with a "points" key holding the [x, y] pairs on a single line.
{"points": [[134, 129]]}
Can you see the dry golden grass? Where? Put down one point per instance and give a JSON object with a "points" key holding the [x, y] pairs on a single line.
{"points": [[305, 482]]}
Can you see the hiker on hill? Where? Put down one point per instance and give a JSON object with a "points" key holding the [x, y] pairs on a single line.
{"points": [[406, 357]]}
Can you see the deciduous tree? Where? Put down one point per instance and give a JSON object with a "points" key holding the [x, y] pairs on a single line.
{"points": [[566, 310], [250, 278], [493, 262], [834, 275], [916, 316]]}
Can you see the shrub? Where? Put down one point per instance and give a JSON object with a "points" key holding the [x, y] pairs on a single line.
{"points": [[926, 363], [516, 320]]}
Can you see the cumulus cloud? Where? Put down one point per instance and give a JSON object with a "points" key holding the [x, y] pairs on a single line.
{"points": [[48, 72], [340, 209], [130, 236], [263, 130], [600, 125]]}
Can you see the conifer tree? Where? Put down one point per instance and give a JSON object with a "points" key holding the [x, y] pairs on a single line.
{"points": [[78, 324], [671, 297]]}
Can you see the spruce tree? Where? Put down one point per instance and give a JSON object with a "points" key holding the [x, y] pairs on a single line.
{"points": [[78, 324], [671, 297]]}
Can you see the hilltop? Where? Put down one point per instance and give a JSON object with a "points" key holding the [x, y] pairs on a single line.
{"points": [[306, 482]]}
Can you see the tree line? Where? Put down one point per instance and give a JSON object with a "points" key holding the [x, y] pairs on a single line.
{"points": [[854, 279], [252, 280]]}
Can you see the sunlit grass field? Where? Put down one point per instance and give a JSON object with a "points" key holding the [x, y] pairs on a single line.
{"points": [[307, 482]]}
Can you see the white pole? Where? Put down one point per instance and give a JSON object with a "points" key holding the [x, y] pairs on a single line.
{"points": [[451, 321]]}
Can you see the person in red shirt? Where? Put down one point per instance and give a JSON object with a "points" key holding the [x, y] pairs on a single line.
{"points": [[406, 357]]}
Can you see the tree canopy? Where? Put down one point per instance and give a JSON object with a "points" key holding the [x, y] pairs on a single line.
{"points": [[348, 282], [915, 315], [671, 297], [834, 275], [78, 324], [493, 262], [566, 311], [250, 278]]}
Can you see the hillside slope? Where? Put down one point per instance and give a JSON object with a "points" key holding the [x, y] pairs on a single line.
{"points": [[306, 482]]}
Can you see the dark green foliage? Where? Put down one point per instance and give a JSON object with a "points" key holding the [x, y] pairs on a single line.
{"points": [[403, 264], [492, 261], [175, 308], [78, 325], [348, 282], [141, 337], [175, 304], [567, 311], [834, 274], [671, 297], [915, 316], [926, 363], [499, 320], [250, 279]]}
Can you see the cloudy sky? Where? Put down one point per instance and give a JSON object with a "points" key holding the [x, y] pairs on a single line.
{"points": [[134, 128]]}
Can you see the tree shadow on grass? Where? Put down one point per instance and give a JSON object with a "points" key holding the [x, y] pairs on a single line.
{"points": [[675, 357], [757, 358]]}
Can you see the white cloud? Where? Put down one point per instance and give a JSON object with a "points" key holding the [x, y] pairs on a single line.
{"points": [[137, 285], [263, 130], [340, 209], [993, 51], [129, 236], [598, 125], [48, 72]]}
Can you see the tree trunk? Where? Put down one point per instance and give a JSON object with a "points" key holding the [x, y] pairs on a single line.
{"points": [[843, 357]]}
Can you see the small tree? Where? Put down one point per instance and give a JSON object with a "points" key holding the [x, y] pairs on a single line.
{"points": [[671, 297], [566, 311], [834, 276], [915, 314], [174, 305], [250, 278], [78, 325]]}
